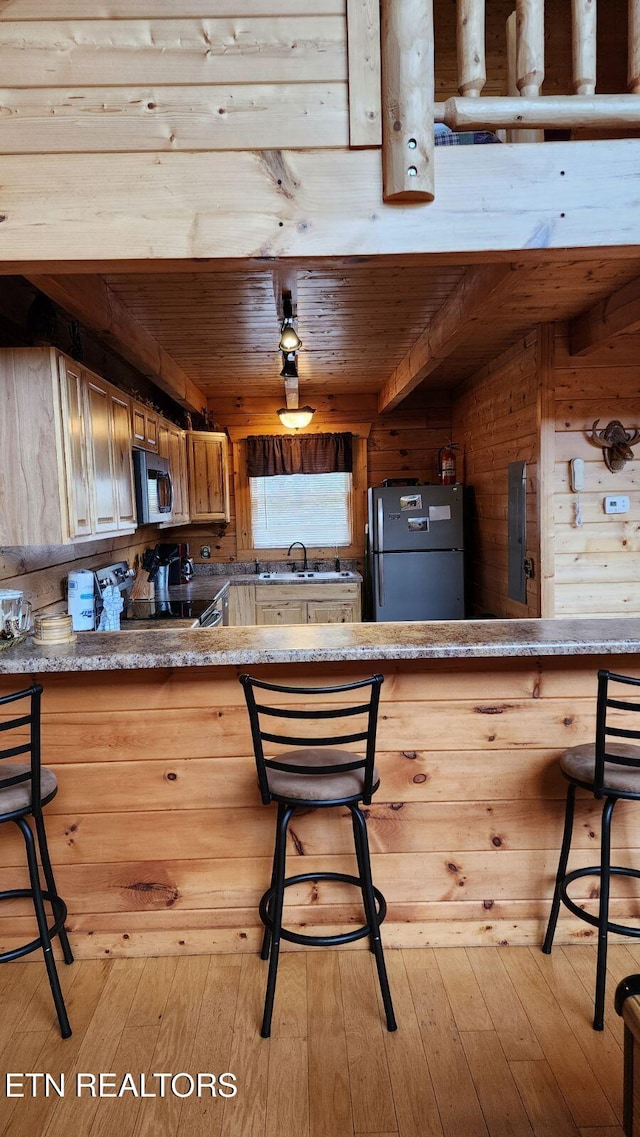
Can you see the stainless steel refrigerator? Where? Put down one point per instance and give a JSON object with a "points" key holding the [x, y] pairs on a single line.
{"points": [[416, 553]]}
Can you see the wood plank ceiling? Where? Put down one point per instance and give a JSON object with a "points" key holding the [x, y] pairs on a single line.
{"points": [[356, 322]]}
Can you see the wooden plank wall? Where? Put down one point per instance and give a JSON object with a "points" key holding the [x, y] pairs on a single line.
{"points": [[161, 844], [40, 571], [403, 443], [168, 75], [495, 420], [597, 565]]}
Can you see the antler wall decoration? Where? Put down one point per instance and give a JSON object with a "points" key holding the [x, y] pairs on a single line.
{"points": [[615, 442]]}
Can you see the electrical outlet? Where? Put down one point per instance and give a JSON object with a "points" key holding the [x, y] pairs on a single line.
{"points": [[616, 503], [205, 552]]}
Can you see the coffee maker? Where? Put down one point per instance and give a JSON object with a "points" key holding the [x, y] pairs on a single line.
{"points": [[178, 560]]}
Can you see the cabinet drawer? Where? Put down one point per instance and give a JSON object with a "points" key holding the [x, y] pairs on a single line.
{"points": [[274, 593]]}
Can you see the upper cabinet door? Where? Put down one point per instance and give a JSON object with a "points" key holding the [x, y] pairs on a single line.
{"points": [[75, 449], [172, 445], [100, 433], [178, 467], [122, 460], [208, 453], [144, 426]]}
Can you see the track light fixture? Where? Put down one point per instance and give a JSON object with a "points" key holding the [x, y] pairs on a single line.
{"points": [[289, 365], [291, 415], [289, 338]]}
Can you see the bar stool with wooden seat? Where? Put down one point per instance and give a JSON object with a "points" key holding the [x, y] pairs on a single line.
{"points": [[318, 775], [610, 771], [24, 789]]}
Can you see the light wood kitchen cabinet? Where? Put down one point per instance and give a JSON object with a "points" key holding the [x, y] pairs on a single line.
{"points": [[208, 457], [309, 603], [333, 612], [242, 605], [76, 457], [62, 429], [172, 444], [100, 441], [122, 465], [289, 612], [109, 444], [144, 427]]}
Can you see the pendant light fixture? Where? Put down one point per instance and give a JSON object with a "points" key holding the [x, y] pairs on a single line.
{"points": [[295, 420]]}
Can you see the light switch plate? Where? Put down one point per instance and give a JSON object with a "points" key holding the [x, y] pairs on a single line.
{"points": [[616, 503]]}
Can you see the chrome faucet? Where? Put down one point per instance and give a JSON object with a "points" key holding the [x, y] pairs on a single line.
{"points": [[304, 567]]}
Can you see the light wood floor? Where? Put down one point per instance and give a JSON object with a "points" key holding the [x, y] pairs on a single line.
{"points": [[493, 1042]]}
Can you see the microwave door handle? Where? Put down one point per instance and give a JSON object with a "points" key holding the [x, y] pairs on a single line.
{"points": [[166, 478]]}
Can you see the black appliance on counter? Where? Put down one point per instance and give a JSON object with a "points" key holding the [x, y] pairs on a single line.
{"points": [[176, 557]]}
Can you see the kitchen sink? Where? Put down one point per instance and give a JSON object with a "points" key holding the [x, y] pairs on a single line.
{"points": [[303, 576]]}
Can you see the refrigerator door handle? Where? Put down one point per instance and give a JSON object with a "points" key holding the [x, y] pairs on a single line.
{"points": [[380, 560], [380, 557], [380, 542]]}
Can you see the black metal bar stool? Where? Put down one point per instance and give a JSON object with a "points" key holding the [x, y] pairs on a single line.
{"points": [[610, 771], [24, 789], [318, 775]]}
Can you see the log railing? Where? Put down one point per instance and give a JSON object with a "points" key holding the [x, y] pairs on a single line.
{"points": [[524, 113]]}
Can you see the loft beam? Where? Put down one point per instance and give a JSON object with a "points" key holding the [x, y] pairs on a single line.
{"points": [[618, 315], [472, 300], [89, 300], [317, 203]]}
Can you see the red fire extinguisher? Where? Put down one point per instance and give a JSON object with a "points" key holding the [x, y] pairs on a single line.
{"points": [[447, 464]]}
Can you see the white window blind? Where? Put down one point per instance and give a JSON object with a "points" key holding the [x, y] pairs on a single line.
{"points": [[312, 508]]}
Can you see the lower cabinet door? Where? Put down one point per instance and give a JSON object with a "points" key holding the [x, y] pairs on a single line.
{"points": [[290, 612], [328, 612]]}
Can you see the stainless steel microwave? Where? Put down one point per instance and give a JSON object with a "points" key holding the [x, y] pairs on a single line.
{"points": [[154, 488]]}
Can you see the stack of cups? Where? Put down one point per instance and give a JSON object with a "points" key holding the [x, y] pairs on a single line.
{"points": [[53, 630]]}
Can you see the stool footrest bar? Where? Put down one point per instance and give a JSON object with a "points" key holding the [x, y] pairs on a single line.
{"points": [[321, 941], [588, 917], [59, 916]]}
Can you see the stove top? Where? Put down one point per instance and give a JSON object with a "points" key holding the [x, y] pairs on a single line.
{"points": [[153, 613], [164, 609]]}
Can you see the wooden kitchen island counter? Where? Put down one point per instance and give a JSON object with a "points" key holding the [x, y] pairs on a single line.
{"points": [[161, 844]]}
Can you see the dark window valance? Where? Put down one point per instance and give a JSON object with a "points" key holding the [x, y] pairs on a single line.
{"points": [[271, 454]]}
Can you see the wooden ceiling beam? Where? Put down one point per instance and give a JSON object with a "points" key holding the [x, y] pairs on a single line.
{"points": [[285, 279], [472, 300], [618, 315], [89, 300]]}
